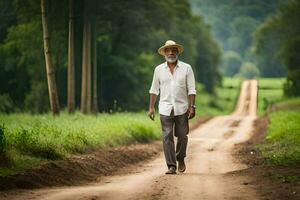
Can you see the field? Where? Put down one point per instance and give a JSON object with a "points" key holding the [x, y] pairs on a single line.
{"points": [[270, 91], [223, 102], [282, 144], [283, 133], [28, 140], [31, 139]]}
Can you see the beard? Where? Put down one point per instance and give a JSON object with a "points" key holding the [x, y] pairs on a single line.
{"points": [[171, 59]]}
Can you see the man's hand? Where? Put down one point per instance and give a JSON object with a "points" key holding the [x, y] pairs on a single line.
{"points": [[191, 112], [151, 113]]}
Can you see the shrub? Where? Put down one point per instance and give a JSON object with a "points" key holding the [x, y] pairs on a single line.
{"points": [[248, 70], [6, 103], [2, 139]]}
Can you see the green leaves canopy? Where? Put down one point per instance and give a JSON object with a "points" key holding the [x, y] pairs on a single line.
{"points": [[129, 34]]}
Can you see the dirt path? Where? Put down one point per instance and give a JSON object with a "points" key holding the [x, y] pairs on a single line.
{"points": [[209, 159]]}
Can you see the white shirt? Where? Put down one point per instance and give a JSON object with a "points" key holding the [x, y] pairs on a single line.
{"points": [[173, 88]]}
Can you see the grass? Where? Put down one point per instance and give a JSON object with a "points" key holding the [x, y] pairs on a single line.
{"points": [[282, 144], [28, 140], [270, 91], [223, 102], [32, 139], [285, 178]]}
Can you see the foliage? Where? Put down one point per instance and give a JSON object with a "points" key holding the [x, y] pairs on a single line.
{"points": [[248, 70], [129, 33], [44, 137], [233, 22], [283, 138], [291, 58], [6, 103], [277, 44], [2, 139], [222, 102], [231, 63], [32, 139], [241, 29]]}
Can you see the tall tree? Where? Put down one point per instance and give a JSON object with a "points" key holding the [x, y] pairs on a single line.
{"points": [[53, 95], [95, 95], [86, 92], [71, 64]]}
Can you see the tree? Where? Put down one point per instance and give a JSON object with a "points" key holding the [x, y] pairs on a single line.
{"points": [[277, 40], [71, 64], [224, 22], [291, 58], [266, 44], [94, 62], [86, 93], [71, 70], [241, 29], [248, 70], [232, 62], [129, 37], [53, 96]]}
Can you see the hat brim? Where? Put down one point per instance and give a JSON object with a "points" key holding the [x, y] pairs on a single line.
{"points": [[161, 50]]}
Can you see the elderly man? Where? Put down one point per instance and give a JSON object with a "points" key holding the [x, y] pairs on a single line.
{"points": [[174, 81]]}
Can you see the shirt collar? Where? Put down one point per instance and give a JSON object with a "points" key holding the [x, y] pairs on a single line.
{"points": [[178, 64]]}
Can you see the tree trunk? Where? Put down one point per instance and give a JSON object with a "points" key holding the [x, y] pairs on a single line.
{"points": [[53, 96], [89, 67], [95, 96], [84, 70], [86, 64], [71, 63]]}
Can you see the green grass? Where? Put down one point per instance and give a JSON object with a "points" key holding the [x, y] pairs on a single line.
{"points": [[271, 83], [223, 102], [27, 140], [288, 104], [282, 144], [270, 91], [32, 139]]}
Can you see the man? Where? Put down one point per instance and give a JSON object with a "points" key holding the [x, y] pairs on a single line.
{"points": [[174, 81]]}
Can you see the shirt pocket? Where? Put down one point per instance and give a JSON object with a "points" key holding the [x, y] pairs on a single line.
{"points": [[181, 81]]}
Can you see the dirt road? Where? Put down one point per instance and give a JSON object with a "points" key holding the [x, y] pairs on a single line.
{"points": [[209, 159]]}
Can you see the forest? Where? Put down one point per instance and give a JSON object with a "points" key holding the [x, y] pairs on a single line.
{"points": [[116, 41], [257, 36], [104, 52]]}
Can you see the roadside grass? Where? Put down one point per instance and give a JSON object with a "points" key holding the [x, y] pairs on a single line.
{"points": [[33, 139], [270, 91], [223, 102], [286, 178], [282, 145], [28, 140]]}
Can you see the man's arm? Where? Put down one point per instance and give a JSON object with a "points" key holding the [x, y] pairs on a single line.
{"points": [[192, 109], [191, 87], [154, 91], [151, 112]]}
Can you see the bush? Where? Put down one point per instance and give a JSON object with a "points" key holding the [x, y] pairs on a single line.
{"points": [[142, 133], [32, 142], [4, 160], [231, 63], [37, 100], [2, 139], [6, 103], [248, 70]]}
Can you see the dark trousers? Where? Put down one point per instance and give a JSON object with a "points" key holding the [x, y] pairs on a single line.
{"points": [[178, 126]]}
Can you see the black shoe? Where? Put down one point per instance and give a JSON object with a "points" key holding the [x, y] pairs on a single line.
{"points": [[172, 170], [181, 166]]}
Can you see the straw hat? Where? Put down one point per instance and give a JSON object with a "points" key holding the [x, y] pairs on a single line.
{"points": [[170, 44]]}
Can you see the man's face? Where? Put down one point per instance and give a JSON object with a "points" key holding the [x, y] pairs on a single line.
{"points": [[171, 54]]}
